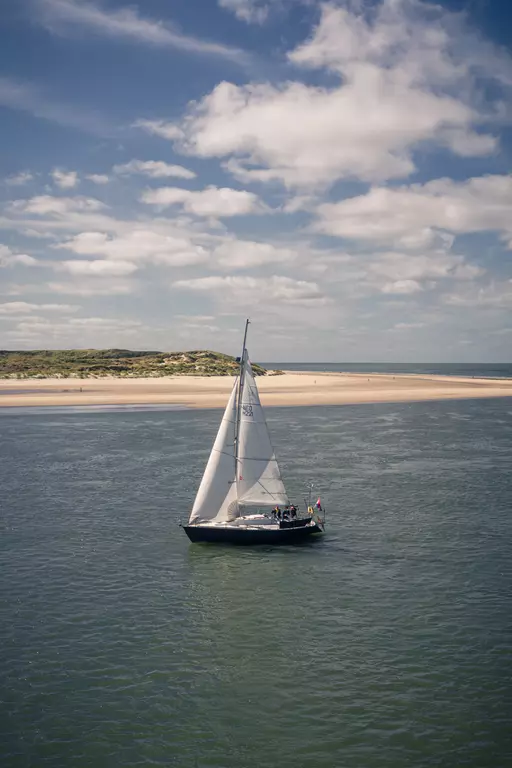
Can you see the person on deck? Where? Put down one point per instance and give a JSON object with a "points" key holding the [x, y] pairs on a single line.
{"points": [[293, 510]]}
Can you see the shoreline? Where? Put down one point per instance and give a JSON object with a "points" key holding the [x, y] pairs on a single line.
{"points": [[293, 388]]}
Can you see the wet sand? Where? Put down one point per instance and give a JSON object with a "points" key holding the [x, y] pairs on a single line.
{"points": [[292, 388]]}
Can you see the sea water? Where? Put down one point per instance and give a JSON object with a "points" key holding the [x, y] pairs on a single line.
{"points": [[386, 644]]}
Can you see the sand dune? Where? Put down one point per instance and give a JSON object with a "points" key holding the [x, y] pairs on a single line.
{"points": [[304, 388]]}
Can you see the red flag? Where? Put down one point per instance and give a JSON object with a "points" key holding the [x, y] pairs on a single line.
{"points": [[318, 505]]}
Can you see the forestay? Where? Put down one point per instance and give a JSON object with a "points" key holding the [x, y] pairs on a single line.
{"points": [[258, 477], [216, 497]]}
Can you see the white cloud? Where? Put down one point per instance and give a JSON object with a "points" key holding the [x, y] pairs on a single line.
{"points": [[364, 274], [497, 295], [390, 272], [98, 178], [65, 179], [155, 169], [244, 290], [21, 307], [246, 254], [403, 266], [47, 216], [79, 331], [304, 136], [93, 287], [35, 233], [408, 326], [404, 81], [336, 264], [44, 205], [251, 11], [127, 23], [402, 287], [103, 322], [18, 179], [136, 246], [292, 205], [165, 130], [10, 259], [99, 267], [88, 232], [411, 215], [212, 201], [186, 327]]}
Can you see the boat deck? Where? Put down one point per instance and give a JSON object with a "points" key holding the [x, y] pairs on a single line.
{"points": [[257, 522]]}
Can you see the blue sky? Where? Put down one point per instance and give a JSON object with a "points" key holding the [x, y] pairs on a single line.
{"points": [[337, 171]]}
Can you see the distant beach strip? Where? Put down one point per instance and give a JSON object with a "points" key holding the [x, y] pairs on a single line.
{"points": [[293, 388]]}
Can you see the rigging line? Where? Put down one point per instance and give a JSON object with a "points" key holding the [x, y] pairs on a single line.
{"points": [[255, 458], [270, 493], [266, 491], [224, 453]]}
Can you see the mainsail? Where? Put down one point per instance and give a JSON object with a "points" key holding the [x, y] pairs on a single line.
{"points": [[258, 478], [216, 497], [242, 468]]}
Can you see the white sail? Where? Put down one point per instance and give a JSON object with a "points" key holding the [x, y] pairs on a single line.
{"points": [[258, 477], [216, 497]]}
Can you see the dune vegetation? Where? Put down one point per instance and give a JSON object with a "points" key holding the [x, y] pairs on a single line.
{"points": [[122, 363]]}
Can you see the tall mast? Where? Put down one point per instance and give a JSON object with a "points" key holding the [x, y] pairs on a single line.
{"points": [[239, 397]]}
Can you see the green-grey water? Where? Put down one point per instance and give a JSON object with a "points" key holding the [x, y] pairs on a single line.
{"points": [[387, 644]]}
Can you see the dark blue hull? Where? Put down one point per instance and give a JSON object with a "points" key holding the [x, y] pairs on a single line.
{"points": [[289, 534]]}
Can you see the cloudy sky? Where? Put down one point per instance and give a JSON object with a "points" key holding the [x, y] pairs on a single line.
{"points": [[338, 171]]}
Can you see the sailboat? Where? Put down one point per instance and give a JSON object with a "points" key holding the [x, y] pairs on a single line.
{"points": [[242, 498]]}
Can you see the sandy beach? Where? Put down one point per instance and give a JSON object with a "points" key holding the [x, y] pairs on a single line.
{"points": [[292, 388]]}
